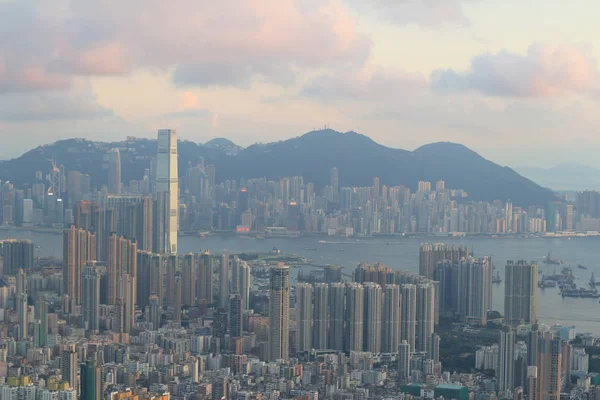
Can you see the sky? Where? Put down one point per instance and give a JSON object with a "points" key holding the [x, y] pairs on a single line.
{"points": [[517, 81]]}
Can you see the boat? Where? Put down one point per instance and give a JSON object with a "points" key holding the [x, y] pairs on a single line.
{"points": [[581, 266], [275, 251], [552, 261]]}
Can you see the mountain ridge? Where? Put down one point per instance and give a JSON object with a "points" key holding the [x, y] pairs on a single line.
{"points": [[358, 158]]}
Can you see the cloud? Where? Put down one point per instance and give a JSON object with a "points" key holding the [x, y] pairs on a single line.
{"points": [[370, 83], [428, 13], [229, 42], [76, 104], [544, 71]]}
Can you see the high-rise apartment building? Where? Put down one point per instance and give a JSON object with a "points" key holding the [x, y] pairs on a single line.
{"points": [[506, 360], [520, 293], [121, 259], [21, 303], [337, 331], [304, 316], [188, 268], [91, 381], [79, 247], [474, 288], [355, 317], [404, 351], [334, 180], [224, 280], [392, 306], [431, 254], [205, 278], [90, 297], [408, 317], [17, 254], [235, 316], [373, 309], [154, 311], [114, 171], [425, 316], [150, 278], [279, 312], [167, 182], [320, 315], [549, 367], [69, 366]]}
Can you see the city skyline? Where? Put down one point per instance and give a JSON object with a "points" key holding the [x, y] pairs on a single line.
{"points": [[406, 74]]}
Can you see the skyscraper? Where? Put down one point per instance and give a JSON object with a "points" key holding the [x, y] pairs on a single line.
{"points": [[235, 316], [403, 361], [279, 311], [391, 319], [127, 297], [114, 171], [431, 254], [17, 254], [549, 367], [373, 307], [304, 316], [69, 366], [21, 302], [205, 278], [79, 247], [425, 316], [474, 286], [520, 293], [337, 331], [167, 181], [154, 311], [355, 305], [188, 272], [90, 297], [320, 315], [41, 314], [408, 317], [121, 259], [91, 381], [334, 180], [506, 360], [224, 280]]}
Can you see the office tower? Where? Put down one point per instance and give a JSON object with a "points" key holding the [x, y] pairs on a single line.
{"points": [[121, 259], [408, 316], [279, 312], [355, 302], [532, 383], [224, 280], [520, 293], [304, 316], [127, 297], [41, 314], [337, 316], [431, 254], [90, 297], [403, 362], [154, 311], [68, 367], [320, 315], [21, 303], [373, 308], [333, 180], [91, 381], [205, 278], [392, 307], [167, 181], [474, 286], [425, 316], [188, 279], [114, 171], [506, 359], [17, 254], [235, 316], [549, 367], [79, 247]]}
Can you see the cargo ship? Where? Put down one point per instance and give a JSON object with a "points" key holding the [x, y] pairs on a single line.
{"points": [[552, 261]]}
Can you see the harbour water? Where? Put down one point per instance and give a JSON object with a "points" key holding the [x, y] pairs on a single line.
{"points": [[403, 253]]}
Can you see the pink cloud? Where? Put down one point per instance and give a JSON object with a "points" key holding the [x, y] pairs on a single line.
{"points": [[545, 70]]}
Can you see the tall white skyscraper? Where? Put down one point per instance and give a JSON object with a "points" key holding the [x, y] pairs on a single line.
{"points": [[279, 313], [167, 185], [304, 314], [391, 319], [114, 171]]}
